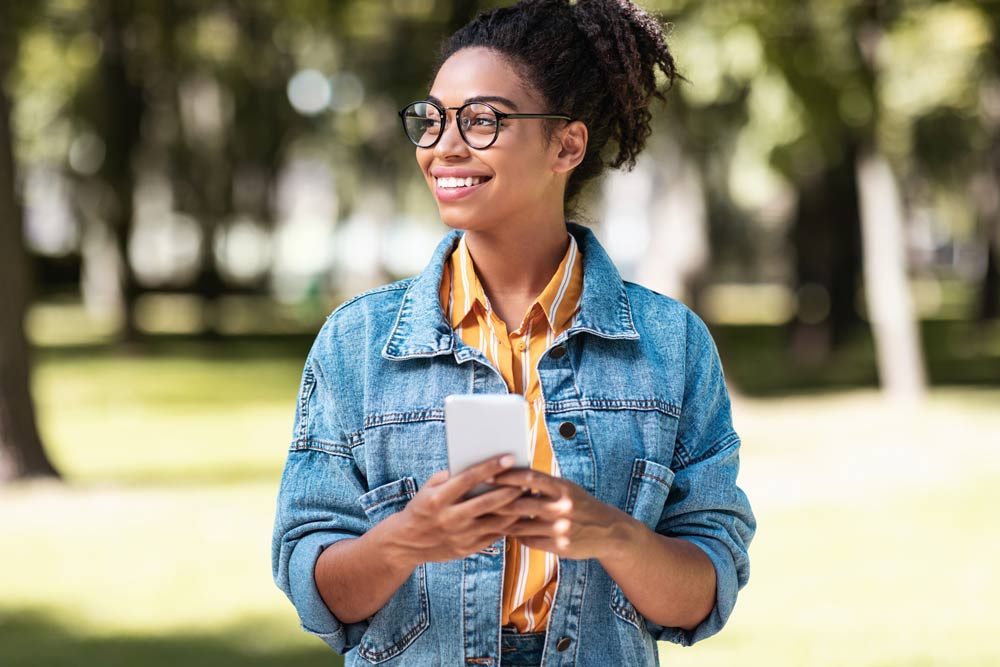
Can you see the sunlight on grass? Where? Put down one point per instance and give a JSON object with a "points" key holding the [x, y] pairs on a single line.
{"points": [[874, 546], [159, 542], [906, 582], [152, 562], [167, 420]]}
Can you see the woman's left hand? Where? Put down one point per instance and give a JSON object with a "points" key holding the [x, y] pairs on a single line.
{"points": [[564, 519]]}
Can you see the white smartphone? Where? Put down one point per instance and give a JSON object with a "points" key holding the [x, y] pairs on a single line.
{"points": [[481, 426]]}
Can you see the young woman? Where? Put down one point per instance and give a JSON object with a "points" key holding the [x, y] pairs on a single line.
{"points": [[636, 531]]}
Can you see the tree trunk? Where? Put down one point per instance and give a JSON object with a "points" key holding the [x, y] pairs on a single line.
{"points": [[890, 308], [826, 235], [987, 201], [989, 291], [119, 125], [21, 452], [887, 293]]}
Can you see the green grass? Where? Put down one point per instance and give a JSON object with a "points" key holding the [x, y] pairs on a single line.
{"points": [[157, 549], [876, 544], [907, 581], [180, 414]]}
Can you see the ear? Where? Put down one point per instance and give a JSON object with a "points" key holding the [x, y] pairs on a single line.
{"points": [[571, 147]]}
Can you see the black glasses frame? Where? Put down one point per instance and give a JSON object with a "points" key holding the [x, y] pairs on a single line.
{"points": [[501, 116]]}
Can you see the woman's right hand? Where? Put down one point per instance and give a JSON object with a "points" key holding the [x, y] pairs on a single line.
{"points": [[438, 524]]}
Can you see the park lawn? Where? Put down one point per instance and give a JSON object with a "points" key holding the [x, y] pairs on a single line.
{"points": [[157, 551], [189, 417], [907, 583]]}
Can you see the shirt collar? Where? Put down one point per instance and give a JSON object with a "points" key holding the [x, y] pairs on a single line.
{"points": [[461, 281], [422, 330], [461, 289]]}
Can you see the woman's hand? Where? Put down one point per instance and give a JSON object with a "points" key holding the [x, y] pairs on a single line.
{"points": [[438, 525], [564, 519]]}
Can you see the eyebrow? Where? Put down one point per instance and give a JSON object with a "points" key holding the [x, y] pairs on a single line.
{"points": [[478, 98]]}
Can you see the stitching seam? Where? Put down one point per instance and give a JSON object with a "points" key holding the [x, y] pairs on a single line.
{"points": [[403, 417], [614, 404], [654, 477], [382, 501]]}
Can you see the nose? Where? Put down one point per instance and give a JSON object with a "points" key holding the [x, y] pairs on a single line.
{"points": [[451, 142]]}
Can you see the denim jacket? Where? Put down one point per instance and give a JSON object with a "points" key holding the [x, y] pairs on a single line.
{"points": [[639, 378]]}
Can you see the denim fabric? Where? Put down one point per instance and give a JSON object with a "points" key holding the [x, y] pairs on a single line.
{"points": [[521, 650], [640, 380]]}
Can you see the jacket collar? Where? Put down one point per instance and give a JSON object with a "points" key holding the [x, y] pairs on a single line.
{"points": [[422, 330]]}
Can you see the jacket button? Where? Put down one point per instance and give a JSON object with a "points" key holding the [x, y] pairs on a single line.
{"points": [[567, 430], [563, 644], [558, 352]]}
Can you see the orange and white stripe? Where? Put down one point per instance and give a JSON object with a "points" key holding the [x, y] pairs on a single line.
{"points": [[530, 575]]}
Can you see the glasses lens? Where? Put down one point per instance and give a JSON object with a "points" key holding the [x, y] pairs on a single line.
{"points": [[479, 125], [422, 122]]}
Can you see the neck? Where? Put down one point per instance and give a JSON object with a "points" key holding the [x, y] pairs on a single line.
{"points": [[515, 263]]}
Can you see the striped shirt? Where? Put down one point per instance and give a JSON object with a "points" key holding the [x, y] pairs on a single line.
{"points": [[530, 575]]}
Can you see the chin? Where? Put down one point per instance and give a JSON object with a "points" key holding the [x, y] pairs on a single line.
{"points": [[467, 220]]}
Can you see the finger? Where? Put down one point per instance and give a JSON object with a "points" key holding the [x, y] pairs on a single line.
{"points": [[549, 510], [463, 482], [531, 528], [494, 523], [546, 544], [554, 529], [491, 501], [438, 478], [532, 479]]}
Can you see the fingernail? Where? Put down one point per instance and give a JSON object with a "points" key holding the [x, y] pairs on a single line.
{"points": [[507, 461], [490, 480]]}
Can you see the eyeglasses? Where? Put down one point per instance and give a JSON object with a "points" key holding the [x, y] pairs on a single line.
{"points": [[478, 122]]}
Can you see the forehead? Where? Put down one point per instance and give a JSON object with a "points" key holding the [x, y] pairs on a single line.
{"points": [[481, 72]]}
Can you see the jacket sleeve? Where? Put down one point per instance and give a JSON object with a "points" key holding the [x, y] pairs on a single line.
{"points": [[705, 506], [317, 506]]}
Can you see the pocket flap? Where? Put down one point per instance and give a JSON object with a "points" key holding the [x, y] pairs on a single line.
{"points": [[389, 498], [654, 472]]}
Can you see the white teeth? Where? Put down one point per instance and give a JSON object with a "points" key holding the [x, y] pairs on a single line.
{"points": [[466, 182]]}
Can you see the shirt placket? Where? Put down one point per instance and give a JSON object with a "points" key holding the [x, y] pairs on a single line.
{"points": [[507, 352]]}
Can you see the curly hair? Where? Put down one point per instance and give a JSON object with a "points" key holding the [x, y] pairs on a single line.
{"points": [[595, 60]]}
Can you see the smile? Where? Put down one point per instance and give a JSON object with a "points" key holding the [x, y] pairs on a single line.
{"points": [[467, 182], [449, 189]]}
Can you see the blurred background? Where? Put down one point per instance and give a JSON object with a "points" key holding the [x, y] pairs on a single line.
{"points": [[187, 189]]}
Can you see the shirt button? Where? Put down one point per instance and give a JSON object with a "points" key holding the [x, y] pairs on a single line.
{"points": [[563, 644], [558, 352], [567, 430]]}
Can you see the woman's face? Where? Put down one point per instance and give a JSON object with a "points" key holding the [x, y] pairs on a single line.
{"points": [[516, 176]]}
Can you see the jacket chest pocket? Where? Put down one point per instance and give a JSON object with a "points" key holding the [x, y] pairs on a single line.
{"points": [[648, 489], [407, 613]]}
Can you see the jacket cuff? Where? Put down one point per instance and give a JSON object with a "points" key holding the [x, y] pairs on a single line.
{"points": [[726, 588], [316, 618]]}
